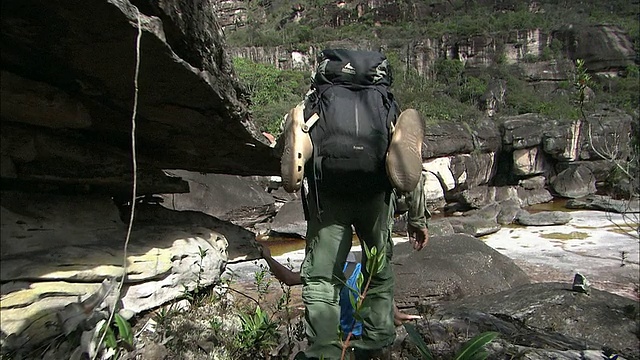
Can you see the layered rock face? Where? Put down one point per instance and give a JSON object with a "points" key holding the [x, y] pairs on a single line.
{"points": [[69, 84], [72, 84], [604, 48], [518, 158]]}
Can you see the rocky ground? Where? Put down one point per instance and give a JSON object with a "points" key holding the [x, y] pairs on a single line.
{"points": [[517, 282], [590, 244]]}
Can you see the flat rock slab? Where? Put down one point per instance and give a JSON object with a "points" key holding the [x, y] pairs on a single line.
{"points": [[544, 218], [474, 225], [163, 262], [590, 243], [604, 203]]}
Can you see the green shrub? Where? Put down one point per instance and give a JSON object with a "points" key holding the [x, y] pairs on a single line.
{"points": [[546, 54], [449, 70], [529, 58], [272, 91], [471, 89], [621, 91], [259, 331], [473, 349], [522, 97], [432, 98]]}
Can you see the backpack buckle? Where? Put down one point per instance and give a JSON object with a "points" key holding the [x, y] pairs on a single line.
{"points": [[309, 123]]}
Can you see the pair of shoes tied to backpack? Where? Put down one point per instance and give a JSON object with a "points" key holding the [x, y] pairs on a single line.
{"points": [[403, 161]]}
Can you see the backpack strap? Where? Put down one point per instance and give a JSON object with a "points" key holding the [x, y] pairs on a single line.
{"points": [[308, 124], [390, 103], [305, 201]]}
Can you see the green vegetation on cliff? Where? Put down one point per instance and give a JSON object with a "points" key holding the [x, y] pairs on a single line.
{"points": [[272, 92], [450, 92], [273, 23]]}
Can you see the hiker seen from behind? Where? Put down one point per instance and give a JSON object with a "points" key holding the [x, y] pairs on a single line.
{"points": [[351, 150]]}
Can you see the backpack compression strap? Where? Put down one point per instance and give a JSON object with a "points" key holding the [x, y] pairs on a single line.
{"points": [[310, 122]]}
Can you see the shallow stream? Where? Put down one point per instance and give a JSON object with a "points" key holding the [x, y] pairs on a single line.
{"points": [[593, 243]]}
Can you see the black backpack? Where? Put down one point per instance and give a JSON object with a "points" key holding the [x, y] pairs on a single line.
{"points": [[355, 110]]}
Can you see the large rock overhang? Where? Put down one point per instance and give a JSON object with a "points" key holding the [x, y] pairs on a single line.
{"points": [[68, 86]]}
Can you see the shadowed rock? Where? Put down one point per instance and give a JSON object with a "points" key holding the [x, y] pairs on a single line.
{"points": [[67, 96], [440, 227], [608, 46], [240, 200], [538, 321], [522, 131], [574, 182], [604, 203], [451, 267], [290, 219]]}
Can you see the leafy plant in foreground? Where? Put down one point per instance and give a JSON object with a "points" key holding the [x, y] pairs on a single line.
{"points": [[197, 294], [471, 350], [258, 331], [119, 335]]}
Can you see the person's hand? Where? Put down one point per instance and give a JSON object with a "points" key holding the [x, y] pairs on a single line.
{"points": [[418, 237], [264, 251], [400, 318]]}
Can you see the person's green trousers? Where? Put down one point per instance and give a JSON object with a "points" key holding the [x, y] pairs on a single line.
{"points": [[329, 239]]}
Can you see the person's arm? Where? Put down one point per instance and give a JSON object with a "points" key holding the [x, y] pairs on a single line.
{"points": [[281, 272], [417, 216]]}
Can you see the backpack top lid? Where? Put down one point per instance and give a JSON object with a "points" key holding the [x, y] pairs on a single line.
{"points": [[352, 67]]}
